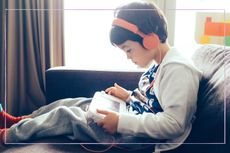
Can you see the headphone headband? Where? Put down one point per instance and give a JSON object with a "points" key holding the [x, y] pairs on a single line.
{"points": [[150, 41], [129, 26]]}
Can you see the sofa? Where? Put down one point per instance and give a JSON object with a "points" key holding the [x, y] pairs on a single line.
{"points": [[210, 133]]}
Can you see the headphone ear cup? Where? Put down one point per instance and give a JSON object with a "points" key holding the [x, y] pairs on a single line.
{"points": [[151, 41]]}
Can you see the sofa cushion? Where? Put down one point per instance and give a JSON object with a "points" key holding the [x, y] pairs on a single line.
{"points": [[213, 98]]}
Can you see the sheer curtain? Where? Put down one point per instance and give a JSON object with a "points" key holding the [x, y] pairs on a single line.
{"points": [[34, 42], [87, 26], [169, 9]]}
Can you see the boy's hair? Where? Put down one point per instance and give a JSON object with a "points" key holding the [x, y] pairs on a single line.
{"points": [[146, 16]]}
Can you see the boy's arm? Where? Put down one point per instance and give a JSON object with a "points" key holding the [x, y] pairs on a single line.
{"points": [[178, 97], [126, 95]]}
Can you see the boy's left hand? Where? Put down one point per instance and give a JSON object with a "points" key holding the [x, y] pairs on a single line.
{"points": [[110, 121]]}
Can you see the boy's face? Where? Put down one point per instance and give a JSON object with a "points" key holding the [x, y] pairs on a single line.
{"points": [[138, 54]]}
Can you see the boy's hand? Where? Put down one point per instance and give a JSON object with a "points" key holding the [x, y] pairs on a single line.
{"points": [[109, 122], [118, 91]]}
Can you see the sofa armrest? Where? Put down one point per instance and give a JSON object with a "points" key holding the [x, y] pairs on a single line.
{"points": [[62, 82]]}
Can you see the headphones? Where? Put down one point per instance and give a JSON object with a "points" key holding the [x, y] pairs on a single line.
{"points": [[150, 41]]}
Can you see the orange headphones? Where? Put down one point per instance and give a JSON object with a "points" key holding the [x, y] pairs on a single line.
{"points": [[150, 41]]}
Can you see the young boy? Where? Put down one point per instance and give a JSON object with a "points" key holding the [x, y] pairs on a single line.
{"points": [[163, 106]]}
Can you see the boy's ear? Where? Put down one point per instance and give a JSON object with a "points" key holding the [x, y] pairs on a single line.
{"points": [[151, 41]]}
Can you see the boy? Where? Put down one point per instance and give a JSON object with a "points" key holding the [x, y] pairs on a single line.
{"points": [[163, 106]]}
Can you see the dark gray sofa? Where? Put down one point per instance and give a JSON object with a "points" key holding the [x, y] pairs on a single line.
{"points": [[210, 133]]}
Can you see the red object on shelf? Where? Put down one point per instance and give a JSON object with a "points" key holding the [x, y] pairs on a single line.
{"points": [[216, 28]]}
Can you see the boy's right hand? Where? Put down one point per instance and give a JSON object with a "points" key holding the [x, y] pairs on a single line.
{"points": [[118, 92]]}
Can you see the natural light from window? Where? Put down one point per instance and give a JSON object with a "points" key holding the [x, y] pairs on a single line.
{"points": [[88, 22], [87, 44]]}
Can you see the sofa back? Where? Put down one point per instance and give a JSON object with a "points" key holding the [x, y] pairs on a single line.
{"points": [[213, 97], [62, 82]]}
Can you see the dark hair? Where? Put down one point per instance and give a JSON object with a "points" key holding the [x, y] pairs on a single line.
{"points": [[146, 16]]}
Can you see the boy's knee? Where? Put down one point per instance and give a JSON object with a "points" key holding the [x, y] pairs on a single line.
{"points": [[69, 113], [62, 109]]}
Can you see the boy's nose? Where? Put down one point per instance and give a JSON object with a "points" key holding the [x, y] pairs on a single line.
{"points": [[128, 56]]}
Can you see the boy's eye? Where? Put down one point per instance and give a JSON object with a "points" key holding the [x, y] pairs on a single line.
{"points": [[129, 50]]}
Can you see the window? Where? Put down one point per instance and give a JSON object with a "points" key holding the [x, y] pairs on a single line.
{"points": [[87, 25], [87, 45]]}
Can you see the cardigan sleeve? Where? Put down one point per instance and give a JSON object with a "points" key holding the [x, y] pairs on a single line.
{"points": [[178, 88]]}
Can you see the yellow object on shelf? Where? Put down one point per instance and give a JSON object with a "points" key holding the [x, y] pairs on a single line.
{"points": [[205, 39]]}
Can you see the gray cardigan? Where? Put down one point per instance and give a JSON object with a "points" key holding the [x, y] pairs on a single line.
{"points": [[176, 88]]}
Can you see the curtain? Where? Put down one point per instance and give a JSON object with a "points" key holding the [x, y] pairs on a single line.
{"points": [[34, 37], [2, 53]]}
